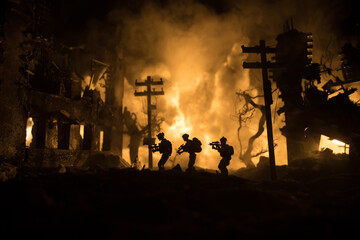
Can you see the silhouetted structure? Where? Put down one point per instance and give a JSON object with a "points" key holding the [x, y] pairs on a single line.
{"points": [[337, 118], [293, 54], [192, 147], [308, 111], [148, 93], [164, 147], [264, 65], [69, 123], [226, 151]]}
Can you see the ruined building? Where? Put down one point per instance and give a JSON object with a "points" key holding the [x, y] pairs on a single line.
{"points": [[308, 111], [338, 117], [41, 90]]}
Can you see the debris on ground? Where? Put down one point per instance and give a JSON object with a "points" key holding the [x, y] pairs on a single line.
{"points": [[7, 171]]}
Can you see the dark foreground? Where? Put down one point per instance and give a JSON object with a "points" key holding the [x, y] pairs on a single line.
{"points": [[130, 204]]}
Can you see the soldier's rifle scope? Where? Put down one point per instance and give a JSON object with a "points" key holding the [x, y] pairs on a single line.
{"points": [[215, 144], [180, 149], [155, 148]]}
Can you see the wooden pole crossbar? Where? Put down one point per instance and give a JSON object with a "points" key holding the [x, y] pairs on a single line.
{"points": [[264, 65], [148, 93]]}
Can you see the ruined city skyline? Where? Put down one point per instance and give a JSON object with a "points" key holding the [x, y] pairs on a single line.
{"points": [[151, 119], [195, 46]]}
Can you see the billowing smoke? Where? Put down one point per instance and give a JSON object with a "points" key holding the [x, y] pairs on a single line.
{"points": [[198, 55], [197, 51]]}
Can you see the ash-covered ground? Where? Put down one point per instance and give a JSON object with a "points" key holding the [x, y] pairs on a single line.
{"points": [[319, 200]]}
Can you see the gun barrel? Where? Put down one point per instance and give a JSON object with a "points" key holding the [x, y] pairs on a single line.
{"points": [[215, 145], [180, 149], [155, 148]]}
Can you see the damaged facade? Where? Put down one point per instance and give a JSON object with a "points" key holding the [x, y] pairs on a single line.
{"points": [[71, 122], [41, 89], [309, 112]]}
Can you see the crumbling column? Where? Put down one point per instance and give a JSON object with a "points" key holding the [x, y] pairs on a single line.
{"points": [[51, 134], [293, 54], [95, 143], [63, 135], [75, 86], [13, 97], [107, 139], [38, 132], [74, 142], [88, 135]]}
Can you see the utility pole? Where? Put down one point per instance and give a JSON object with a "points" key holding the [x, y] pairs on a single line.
{"points": [[264, 65], [148, 93]]}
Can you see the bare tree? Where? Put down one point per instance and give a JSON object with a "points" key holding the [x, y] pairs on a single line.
{"points": [[243, 115]]}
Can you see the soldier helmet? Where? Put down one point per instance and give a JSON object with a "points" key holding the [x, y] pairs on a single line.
{"points": [[223, 139], [185, 135], [160, 135]]}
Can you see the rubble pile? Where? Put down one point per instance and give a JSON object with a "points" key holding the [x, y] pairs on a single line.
{"points": [[7, 171]]}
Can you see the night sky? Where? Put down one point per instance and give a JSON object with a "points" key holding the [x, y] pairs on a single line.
{"points": [[71, 17]]}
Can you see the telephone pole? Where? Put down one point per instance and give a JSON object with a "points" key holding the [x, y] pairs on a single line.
{"points": [[264, 65], [148, 93]]}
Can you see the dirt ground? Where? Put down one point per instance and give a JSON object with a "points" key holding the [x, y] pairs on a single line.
{"points": [[99, 203]]}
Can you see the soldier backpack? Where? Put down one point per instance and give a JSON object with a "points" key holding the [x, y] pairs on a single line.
{"points": [[231, 150], [196, 145], [166, 147], [169, 147]]}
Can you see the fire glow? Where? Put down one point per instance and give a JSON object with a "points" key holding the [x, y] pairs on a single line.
{"points": [[29, 136], [201, 65], [335, 145]]}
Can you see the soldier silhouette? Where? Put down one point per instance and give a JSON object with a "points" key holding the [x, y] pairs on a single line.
{"points": [[164, 147], [226, 151], [192, 147]]}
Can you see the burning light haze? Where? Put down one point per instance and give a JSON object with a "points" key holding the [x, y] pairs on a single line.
{"points": [[198, 54], [196, 49]]}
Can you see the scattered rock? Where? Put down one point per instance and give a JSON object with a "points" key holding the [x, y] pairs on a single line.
{"points": [[7, 171], [61, 168], [103, 160]]}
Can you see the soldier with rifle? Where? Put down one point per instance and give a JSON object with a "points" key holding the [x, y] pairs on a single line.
{"points": [[226, 151], [164, 147], [192, 147]]}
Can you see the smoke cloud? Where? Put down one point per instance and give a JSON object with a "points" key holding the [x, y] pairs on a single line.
{"points": [[196, 48]]}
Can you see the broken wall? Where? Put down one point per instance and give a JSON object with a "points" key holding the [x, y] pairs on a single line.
{"points": [[13, 100]]}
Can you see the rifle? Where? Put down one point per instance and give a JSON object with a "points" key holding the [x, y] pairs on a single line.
{"points": [[155, 148], [180, 150], [215, 145]]}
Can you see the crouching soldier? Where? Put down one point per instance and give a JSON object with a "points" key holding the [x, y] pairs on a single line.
{"points": [[226, 151], [164, 147]]}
